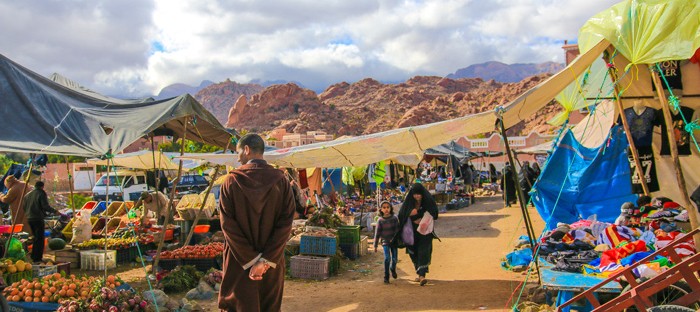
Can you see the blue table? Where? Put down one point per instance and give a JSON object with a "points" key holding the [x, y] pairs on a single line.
{"points": [[568, 284]]}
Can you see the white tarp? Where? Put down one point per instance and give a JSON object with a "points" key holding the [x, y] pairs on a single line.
{"points": [[138, 160]]}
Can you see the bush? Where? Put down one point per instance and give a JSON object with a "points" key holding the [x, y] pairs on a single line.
{"points": [[79, 200]]}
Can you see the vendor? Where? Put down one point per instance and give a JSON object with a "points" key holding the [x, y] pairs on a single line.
{"points": [[153, 208], [14, 193]]}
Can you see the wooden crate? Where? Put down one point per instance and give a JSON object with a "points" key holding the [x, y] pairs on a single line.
{"points": [[64, 256]]}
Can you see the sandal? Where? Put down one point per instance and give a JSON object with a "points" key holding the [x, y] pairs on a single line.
{"points": [[423, 281]]}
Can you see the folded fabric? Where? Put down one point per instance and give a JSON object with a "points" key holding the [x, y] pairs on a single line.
{"points": [[610, 260]]}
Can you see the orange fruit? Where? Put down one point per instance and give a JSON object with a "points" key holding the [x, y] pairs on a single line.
{"points": [[70, 293], [62, 292], [37, 293], [27, 299], [15, 298], [37, 299], [52, 289], [45, 299], [28, 292], [37, 285]]}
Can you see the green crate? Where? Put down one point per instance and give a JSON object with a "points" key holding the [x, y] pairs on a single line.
{"points": [[348, 234], [334, 265], [16, 277]]}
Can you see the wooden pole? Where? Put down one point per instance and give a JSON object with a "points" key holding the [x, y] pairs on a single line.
{"points": [[625, 125], [201, 207], [70, 185], [692, 213], [21, 200], [161, 240], [521, 198]]}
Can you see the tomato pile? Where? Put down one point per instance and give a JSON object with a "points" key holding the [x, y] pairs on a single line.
{"points": [[209, 251]]}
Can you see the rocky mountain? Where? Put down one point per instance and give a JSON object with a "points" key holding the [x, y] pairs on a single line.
{"points": [[366, 106], [181, 88], [506, 72]]}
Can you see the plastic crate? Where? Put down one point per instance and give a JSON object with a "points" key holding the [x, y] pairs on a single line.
{"points": [[351, 251], [334, 265], [310, 267], [348, 234], [18, 276], [202, 264], [124, 255], [16, 306], [318, 245], [364, 245], [99, 208], [113, 208], [90, 205], [7, 228], [44, 270], [98, 259], [169, 264]]}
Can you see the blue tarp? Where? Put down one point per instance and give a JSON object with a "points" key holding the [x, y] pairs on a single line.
{"points": [[592, 181], [335, 176]]}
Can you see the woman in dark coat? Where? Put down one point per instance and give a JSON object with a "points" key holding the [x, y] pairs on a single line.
{"points": [[417, 203], [508, 185], [527, 179]]}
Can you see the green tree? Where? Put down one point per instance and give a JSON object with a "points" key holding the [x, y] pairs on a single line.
{"points": [[5, 163], [190, 147]]}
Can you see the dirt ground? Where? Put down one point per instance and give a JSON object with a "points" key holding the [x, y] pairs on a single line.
{"points": [[465, 274]]}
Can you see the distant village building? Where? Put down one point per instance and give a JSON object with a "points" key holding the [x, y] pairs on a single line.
{"points": [[279, 138]]}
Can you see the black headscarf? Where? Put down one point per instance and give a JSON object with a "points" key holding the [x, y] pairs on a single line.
{"points": [[427, 203]]}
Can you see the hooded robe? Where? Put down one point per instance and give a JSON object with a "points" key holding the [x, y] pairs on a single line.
{"points": [[257, 209]]}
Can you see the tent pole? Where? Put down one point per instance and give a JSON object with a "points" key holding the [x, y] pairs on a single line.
{"points": [[692, 213], [201, 207], [70, 185], [107, 219], [625, 124], [155, 178], [161, 240], [21, 199], [521, 198]]}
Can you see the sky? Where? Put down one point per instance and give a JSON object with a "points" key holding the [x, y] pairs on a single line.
{"points": [[135, 48]]}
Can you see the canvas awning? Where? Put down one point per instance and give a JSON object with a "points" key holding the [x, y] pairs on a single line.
{"points": [[138, 160], [59, 117]]}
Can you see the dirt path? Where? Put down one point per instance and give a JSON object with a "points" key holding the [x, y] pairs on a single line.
{"points": [[465, 274]]}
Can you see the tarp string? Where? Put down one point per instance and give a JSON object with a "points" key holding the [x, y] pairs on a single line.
{"points": [[674, 102]]}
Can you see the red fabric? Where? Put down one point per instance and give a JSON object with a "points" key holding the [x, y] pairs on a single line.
{"points": [[303, 180], [615, 255], [671, 205], [696, 57]]}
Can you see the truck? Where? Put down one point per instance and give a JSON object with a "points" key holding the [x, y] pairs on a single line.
{"points": [[124, 185]]}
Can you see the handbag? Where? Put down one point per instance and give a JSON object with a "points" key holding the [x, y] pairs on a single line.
{"points": [[425, 226], [407, 233]]}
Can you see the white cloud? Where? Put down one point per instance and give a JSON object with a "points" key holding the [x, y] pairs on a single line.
{"points": [[137, 47]]}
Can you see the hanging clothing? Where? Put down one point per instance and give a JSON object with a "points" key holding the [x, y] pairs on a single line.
{"points": [[303, 180], [682, 137], [671, 70], [641, 125], [646, 159]]}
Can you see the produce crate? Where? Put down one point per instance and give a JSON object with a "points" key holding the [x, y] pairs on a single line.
{"points": [[169, 264], [334, 265], [99, 208], [351, 251], [202, 264], [32, 306], [98, 259], [348, 234], [64, 257], [364, 245], [112, 208], [309, 267], [125, 255], [113, 225], [318, 245], [44, 270], [90, 205], [16, 277]]}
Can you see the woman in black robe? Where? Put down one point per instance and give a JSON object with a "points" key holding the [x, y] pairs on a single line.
{"points": [[508, 185], [418, 201]]}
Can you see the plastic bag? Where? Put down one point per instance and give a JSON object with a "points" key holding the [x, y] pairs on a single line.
{"points": [[15, 249], [82, 229], [407, 233], [425, 226]]}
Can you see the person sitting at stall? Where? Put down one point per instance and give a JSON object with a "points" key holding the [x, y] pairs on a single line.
{"points": [[36, 207], [153, 208]]}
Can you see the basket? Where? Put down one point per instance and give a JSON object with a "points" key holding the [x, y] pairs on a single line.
{"points": [[99, 208], [98, 259], [202, 264], [309, 267], [364, 245], [169, 264], [16, 277], [318, 245], [348, 234], [351, 251], [44, 270], [112, 208]]}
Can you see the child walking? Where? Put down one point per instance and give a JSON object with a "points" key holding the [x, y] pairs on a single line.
{"points": [[387, 229]]}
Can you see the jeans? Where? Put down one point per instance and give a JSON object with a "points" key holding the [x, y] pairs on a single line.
{"points": [[390, 259], [37, 227]]}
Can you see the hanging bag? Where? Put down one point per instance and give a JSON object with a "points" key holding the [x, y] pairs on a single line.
{"points": [[407, 233], [425, 226]]}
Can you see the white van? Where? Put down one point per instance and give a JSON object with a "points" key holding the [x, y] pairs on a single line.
{"points": [[124, 185]]}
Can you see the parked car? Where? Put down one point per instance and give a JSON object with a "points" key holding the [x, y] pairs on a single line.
{"points": [[189, 184], [123, 185]]}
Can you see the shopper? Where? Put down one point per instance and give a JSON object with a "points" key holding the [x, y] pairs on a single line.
{"points": [[417, 203], [15, 188], [257, 210], [36, 207], [387, 228]]}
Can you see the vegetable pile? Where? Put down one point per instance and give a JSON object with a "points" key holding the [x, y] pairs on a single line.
{"points": [[213, 277], [209, 251], [107, 299], [180, 279]]}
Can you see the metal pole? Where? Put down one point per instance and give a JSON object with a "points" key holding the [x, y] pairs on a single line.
{"points": [[172, 197], [625, 125], [692, 213], [107, 218], [201, 207], [70, 185]]}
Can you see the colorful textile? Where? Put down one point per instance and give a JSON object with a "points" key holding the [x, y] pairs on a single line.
{"points": [[610, 260], [684, 249], [614, 235]]}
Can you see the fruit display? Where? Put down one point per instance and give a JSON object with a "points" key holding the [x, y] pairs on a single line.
{"points": [[209, 251], [54, 288], [107, 299], [8, 266], [112, 243]]}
